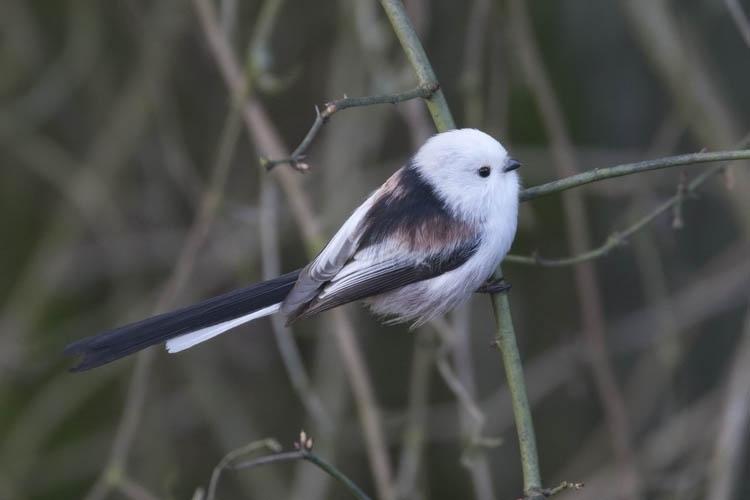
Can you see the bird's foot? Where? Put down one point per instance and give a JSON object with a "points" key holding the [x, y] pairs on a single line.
{"points": [[494, 285]]}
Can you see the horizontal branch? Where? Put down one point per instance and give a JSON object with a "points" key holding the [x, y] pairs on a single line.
{"points": [[599, 174], [295, 159], [620, 238]]}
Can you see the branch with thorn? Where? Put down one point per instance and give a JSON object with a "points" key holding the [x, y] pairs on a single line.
{"points": [[296, 159]]}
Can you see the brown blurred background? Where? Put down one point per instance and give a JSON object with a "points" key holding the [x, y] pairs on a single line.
{"points": [[130, 184]]}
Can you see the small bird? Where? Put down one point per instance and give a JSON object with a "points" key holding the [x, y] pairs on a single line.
{"points": [[419, 246]]}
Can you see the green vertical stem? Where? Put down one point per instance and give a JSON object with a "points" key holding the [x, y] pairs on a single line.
{"points": [[505, 337]]}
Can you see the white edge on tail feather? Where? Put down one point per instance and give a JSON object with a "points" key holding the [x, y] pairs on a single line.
{"points": [[188, 340]]}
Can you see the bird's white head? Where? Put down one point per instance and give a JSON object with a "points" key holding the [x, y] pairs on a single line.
{"points": [[472, 173]]}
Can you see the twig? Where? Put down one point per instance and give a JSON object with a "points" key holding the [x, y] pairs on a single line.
{"points": [[423, 91], [304, 452], [620, 238], [226, 461], [599, 174], [565, 485]]}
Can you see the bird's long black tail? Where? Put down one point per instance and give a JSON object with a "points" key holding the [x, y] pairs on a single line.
{"points": [[114, 344]]}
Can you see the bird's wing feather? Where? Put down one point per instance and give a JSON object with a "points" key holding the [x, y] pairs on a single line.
{"points": [[329, 262], [403, 233], [360, 279]]}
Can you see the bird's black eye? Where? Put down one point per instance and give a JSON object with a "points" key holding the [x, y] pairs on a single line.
{"points": [[484, 171]]}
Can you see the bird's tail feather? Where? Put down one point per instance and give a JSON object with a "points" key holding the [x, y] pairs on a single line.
{"points": [[188, 340], [188, 326]]}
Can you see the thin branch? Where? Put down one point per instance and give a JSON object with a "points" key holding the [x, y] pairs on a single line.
{"points": [[286, 456], [565, 485], [599, 174], [423, 91], [304, 452], [336, 474], [615, 240], [226, 461], [620, 238]]}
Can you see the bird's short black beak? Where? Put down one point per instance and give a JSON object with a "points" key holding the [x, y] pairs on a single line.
{"points": [[512, 164]]}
